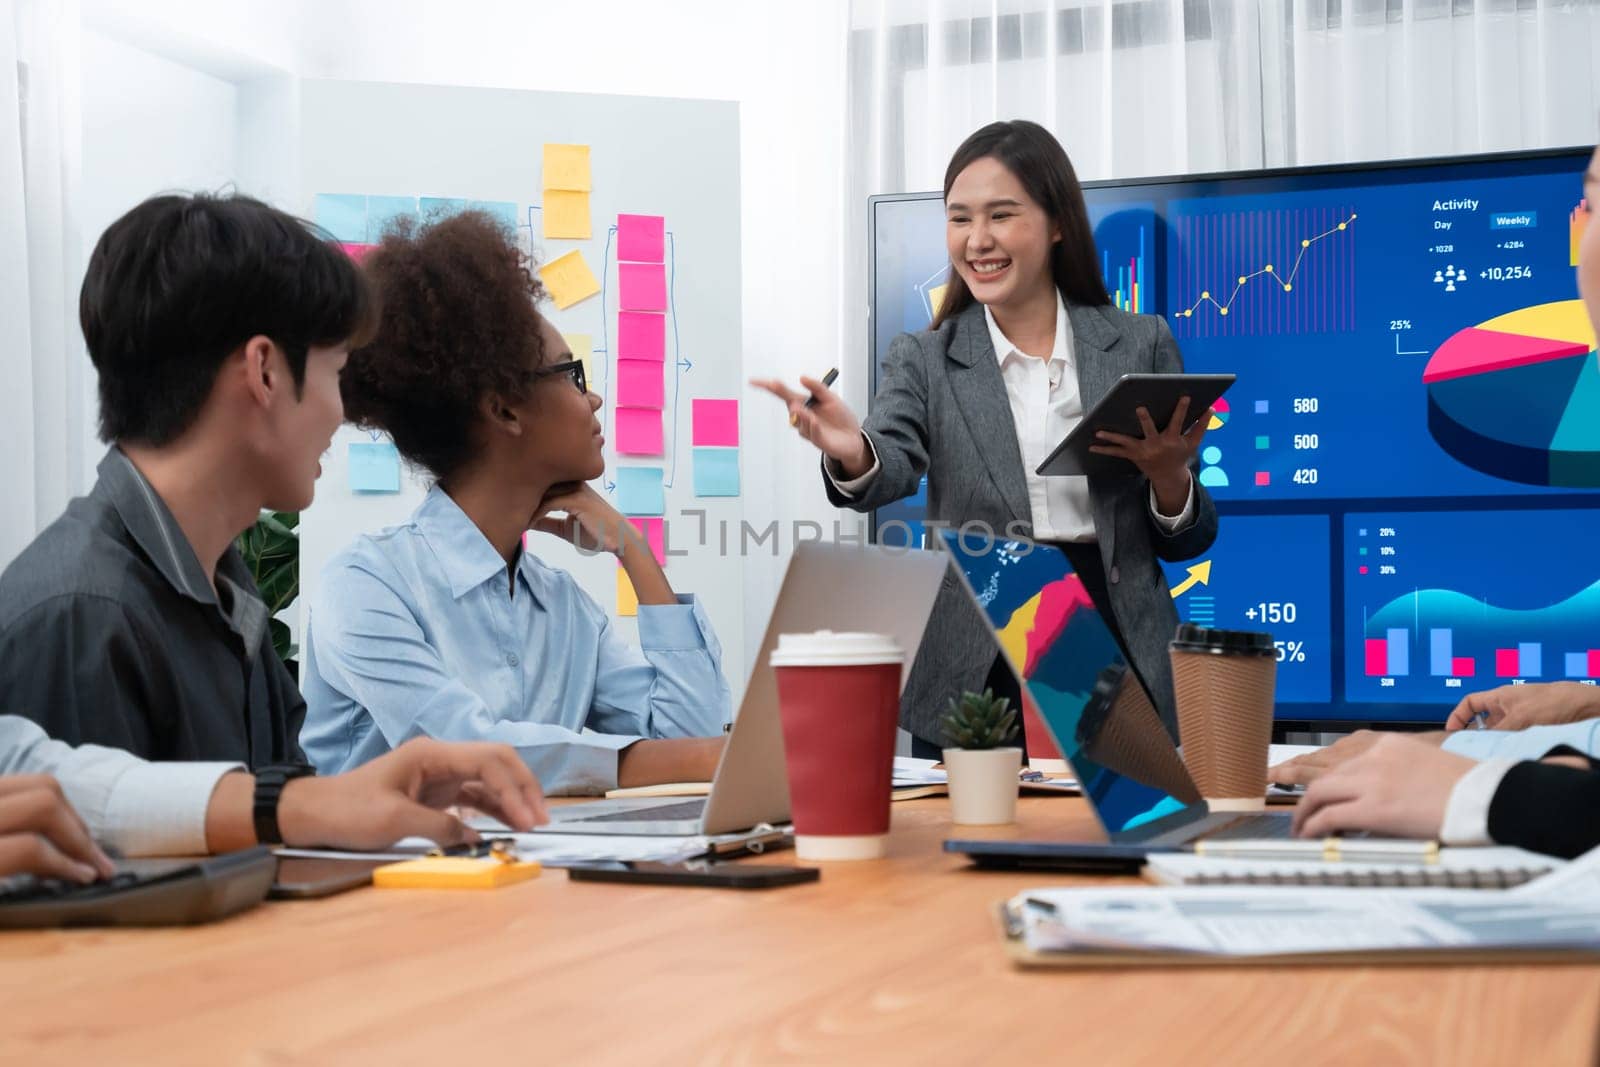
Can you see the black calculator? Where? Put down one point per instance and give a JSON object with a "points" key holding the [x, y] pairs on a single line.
{"points": [[143, 893]]}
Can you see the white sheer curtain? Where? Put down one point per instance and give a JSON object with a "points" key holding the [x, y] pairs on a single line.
{"points": [[1138, 87], [41, 408]]}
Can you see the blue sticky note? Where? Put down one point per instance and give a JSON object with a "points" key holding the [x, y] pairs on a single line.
{"points": [[374, 467], [438, 207], [639, 491], [502, 211], [384, 211], [344, 216], [716, 472]]}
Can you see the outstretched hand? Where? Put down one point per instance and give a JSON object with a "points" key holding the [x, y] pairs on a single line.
{"points": [[828, 423]]}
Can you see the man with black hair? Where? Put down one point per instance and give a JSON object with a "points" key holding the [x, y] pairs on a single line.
{"points": [[218, 326]]}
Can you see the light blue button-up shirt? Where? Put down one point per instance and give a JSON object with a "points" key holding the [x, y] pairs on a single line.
{"points": [[415, 631], [1533, 743]]}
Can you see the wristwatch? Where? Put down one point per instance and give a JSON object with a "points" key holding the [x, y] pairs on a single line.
{"points": [[270, 781]]}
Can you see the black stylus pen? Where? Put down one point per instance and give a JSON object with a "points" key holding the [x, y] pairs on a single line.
{"points": [[827, 380]]}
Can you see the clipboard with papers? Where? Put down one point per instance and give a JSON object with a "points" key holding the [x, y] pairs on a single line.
{"points": [[1555, 918]]}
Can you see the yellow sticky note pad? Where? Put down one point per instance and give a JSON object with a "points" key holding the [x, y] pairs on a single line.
{"points": [[453, 872], [566, 166], [569, 279], [627, 599], [566, 215], [582, 346]]}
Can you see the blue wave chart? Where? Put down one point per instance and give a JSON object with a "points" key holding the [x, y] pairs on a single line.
{"points": [[1434, 618]]}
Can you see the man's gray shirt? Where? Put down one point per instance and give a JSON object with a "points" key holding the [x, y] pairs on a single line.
{"points": [[111, 635]]}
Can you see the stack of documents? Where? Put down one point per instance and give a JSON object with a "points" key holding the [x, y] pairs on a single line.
{"points": [[1556, 916]]}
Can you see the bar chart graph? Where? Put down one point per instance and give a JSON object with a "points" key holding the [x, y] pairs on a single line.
{"points": [[1128, 242], [1443, 606], [1127, 281]]}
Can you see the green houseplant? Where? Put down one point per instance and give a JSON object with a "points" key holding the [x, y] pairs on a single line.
{"points": [[271, 551], [981, 760]]}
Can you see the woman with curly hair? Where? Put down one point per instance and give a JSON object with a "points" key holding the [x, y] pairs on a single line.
{"points": [[446, 626]]}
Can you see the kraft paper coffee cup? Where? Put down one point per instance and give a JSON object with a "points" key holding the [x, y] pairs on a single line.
{"points": [[1225, 682], [839, 703]]}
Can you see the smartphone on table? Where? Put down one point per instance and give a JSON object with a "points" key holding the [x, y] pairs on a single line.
{"points": [[694, 872]]}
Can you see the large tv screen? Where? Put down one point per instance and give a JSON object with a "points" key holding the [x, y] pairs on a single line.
{"points": [[1408, 467]]}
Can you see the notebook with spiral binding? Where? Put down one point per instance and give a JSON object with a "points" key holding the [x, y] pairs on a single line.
{"points": [[1455, 868]]}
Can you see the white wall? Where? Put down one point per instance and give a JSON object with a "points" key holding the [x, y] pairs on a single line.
{"points": [[187, 94], [149, 125]]}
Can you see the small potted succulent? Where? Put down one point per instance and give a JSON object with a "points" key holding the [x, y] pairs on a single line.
{"points": [[982, 760]]}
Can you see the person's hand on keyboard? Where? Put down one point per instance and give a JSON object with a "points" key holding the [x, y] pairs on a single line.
{"points": [[40, 834], [1398, 787], [400, 793]]}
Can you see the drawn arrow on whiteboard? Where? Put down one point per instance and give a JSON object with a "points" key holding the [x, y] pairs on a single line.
{"points": [[685, 364], [610, 486]]}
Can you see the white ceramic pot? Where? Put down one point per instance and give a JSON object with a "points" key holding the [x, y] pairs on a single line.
{"points": [[983, 785]]}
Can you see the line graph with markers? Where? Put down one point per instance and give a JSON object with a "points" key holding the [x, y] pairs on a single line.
{"points": [[1252, 273]]}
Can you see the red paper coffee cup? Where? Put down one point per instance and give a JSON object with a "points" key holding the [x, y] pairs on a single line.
{"points": [[839, 702]]}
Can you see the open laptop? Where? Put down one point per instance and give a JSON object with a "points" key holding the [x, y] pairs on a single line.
{"points": [[1068, 664], [827, 587]]}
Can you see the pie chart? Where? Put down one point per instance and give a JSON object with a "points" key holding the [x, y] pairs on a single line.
{"points": [[1219, 414], [1518, 396]]}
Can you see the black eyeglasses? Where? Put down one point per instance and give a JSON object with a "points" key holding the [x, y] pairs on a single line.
{"points": [[572, 368]]}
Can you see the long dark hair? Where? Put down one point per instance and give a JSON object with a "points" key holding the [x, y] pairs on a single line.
{"points": [[1029, 151]]}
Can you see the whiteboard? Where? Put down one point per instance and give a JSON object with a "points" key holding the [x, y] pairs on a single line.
{"points": [[678, 159]]}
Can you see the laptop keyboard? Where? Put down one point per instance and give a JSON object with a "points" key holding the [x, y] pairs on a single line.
{"points": [[688, 809], [1252, 828]]}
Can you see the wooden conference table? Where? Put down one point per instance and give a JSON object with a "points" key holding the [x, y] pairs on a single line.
{"points": [[895, 961]]}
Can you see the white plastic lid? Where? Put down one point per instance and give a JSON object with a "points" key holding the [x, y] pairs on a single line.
{"points": [[824, 648]]}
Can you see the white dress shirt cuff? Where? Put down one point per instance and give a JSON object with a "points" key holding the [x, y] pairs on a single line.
{"points": [[1172, 524], [159, 809], [1466, 815], [853, 486]]}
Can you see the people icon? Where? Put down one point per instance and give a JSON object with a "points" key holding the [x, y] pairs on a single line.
{"points": [[1212, 475]]}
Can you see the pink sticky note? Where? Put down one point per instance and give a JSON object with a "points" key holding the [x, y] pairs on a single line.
{"points": [[642, 286], [716, 422], [641, 238], [655, 533], [357, 252], [641, 383], [641, 335], [639, 432]]}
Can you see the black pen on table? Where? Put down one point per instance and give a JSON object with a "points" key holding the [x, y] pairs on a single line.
{"points": [[827, 380]]}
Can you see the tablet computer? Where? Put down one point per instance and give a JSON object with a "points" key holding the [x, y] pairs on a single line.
{"points": [[1118, 411]]}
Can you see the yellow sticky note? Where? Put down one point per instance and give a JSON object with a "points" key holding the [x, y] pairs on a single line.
{"points": [[566, 215], [566, 166], [453, 872], [627, 599], [582, 346], [569, 279]]}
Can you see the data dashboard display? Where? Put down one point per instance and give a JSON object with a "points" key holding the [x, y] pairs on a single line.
{"points": [[1407, 471]]}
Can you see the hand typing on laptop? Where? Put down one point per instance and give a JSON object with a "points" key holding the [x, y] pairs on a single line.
{"points": [[1305, 769], [1397, 786]]}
